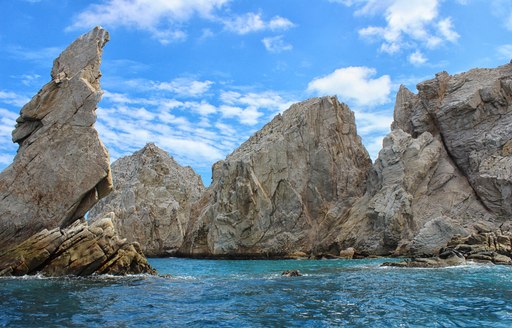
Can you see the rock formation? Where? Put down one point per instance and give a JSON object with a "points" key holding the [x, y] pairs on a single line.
{"points": [[482, 246], [283, 192], [151, 200], [444, 168], [76, 250], [60, 171]]}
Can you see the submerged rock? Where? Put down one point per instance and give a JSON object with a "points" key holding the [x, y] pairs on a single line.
{"points": [[60, 171], [284, 190], [151, 200], [291, 273]]}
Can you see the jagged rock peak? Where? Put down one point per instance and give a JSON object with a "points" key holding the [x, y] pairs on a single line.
{"points": [[151, 200], [282, 192], [75, 77], [472, 113], [445, 168], [61, 169]]}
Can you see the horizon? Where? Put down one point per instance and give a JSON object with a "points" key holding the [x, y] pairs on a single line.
{"points": [[198, 78]]}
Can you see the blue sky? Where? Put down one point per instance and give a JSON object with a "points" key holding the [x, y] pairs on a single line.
{"points": [[198, 77]]}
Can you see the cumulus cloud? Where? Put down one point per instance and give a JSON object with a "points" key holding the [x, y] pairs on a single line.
{"points": [[161, 18], [13, 98], [184, 87], [503, 10], [408, 23], [276, 44], [417, 58], [164, 19], [354, 84], [505, 51], [195, 132], [253, 22], [7, 147]]}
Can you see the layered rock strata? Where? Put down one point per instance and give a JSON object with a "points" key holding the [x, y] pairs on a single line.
{"points": [[482, 247], [444, 168], [77, 250], [60, 171], [283, 192], [151, 200]]}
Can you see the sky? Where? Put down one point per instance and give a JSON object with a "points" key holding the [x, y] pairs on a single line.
{"points": [[198, 77]]}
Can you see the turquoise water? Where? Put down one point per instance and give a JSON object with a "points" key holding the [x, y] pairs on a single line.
{"points": [[351, 293]]}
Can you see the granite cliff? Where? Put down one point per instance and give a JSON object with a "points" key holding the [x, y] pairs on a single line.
{"points": [[60, 171], [284, 191], [151, 200], [444, 170]]}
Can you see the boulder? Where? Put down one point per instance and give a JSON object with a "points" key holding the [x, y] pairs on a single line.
{"points": [[151, 200], [284, 190], [291, 273]]}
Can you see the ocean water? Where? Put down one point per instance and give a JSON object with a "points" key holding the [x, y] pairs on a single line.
{"points": [[208, 293]]}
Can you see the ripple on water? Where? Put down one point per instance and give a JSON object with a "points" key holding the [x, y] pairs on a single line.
{"points": [[254, 294]]}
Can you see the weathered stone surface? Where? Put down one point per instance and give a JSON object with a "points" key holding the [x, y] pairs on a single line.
{"points": [[151, 200], [61, 168], [291, 273], [284, 190], [444, 169], [417, 199], [487, 247], [77, 250], [60, 171], [471, 113]]}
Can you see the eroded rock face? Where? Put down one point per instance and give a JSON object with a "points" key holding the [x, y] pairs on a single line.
{"points": [[472, 114], [482, 246], [151, 200], [284, 190], [445, 167], [61, 168], [77, 250], [60, 171]]}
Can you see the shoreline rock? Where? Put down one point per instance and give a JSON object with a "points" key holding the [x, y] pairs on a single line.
{"points": [[60, 171], [484, 247]]}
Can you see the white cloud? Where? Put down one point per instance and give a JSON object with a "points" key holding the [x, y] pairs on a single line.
{"points": [[417, 58], [253, 22], [276, 44], [503, 10], [184, 87], [445, 27], [161, 18], [354, 84], [7, 147], [505, 51], [42, 56], [409, 23], [12, 98], [165, 19]]}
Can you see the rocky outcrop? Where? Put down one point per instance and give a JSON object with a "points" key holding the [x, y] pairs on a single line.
{"points": [[78, 250], [482, 246], [60, 171], [151, 200], [61, 168], [445, 167], [283, 192]]}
